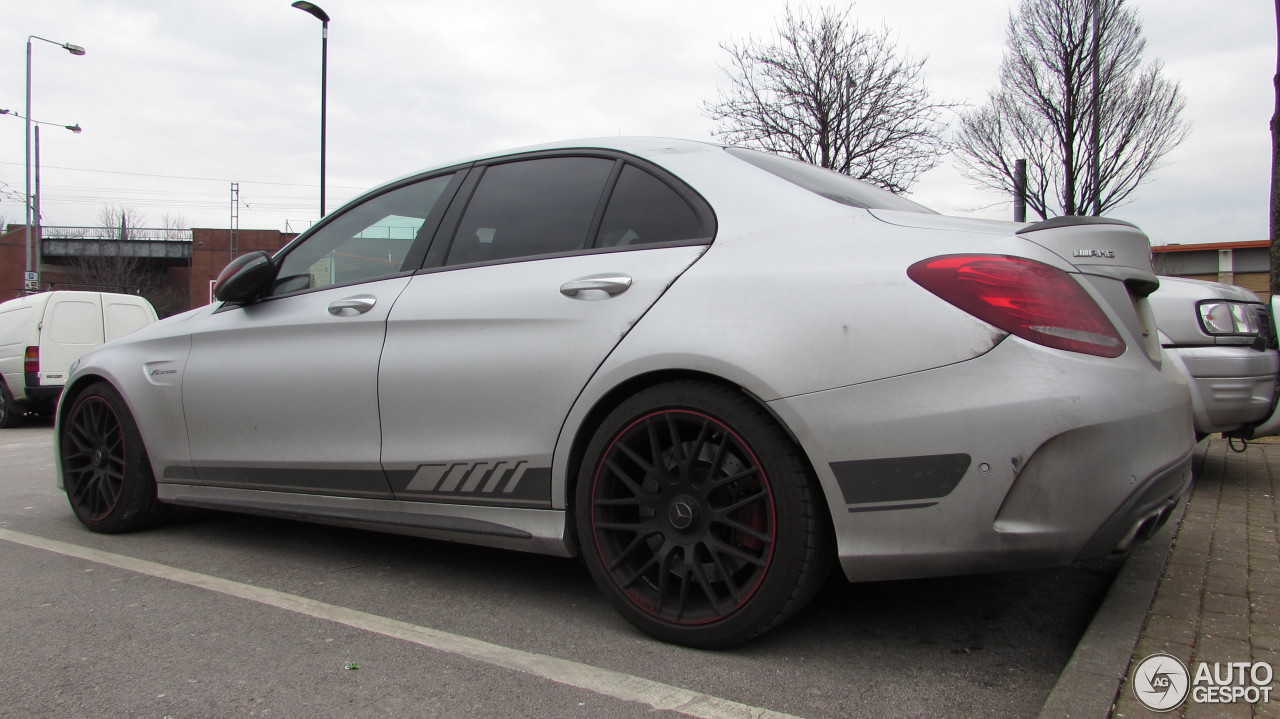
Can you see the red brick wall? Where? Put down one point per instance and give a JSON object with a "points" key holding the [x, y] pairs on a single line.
{"points": [[210, 252], [209, 255], [13, 262]]}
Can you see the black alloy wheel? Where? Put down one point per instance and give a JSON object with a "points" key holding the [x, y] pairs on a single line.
{"points": [[697, 516], [105, 467]]}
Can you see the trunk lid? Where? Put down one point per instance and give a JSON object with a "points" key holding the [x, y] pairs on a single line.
{"points": [[1114, 257], [1100, 245]]}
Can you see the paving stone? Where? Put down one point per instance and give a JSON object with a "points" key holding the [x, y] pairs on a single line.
{"points": [[1219, 598], [1171, 629], [1226, 604], [1150, 645], [1225, 626], [1193, 710]]}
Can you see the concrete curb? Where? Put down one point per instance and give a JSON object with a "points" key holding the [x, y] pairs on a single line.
{"points": [[1091, 680]]}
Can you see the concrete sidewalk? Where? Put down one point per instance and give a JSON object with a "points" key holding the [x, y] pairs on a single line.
{"points": [[1205, 589]]}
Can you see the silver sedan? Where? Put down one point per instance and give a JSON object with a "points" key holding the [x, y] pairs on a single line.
{"points": [[708, 371]]}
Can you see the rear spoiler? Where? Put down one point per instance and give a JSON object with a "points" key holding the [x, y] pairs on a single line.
{"points": [[1073, 221]]}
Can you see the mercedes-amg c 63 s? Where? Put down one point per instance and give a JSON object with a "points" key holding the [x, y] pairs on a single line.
{"points": [[710, 372]]}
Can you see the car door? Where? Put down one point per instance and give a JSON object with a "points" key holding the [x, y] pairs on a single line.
{"points": [[281, 394], [551, 264]]}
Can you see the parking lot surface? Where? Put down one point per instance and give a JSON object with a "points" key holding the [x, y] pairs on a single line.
{"points": [[221, 615]]}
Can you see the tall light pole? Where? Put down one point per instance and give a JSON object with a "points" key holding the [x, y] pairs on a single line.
{"points": [[323, 17], [74, 50], [33, 206]]}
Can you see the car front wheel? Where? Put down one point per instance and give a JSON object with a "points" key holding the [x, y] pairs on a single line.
{"points": [[105, 467], [697, 516]]}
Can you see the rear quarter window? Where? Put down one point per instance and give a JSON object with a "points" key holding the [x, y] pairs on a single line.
{"points": [[644, 210]]}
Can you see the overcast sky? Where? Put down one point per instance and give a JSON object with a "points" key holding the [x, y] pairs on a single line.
{"points": [[179, 98]]}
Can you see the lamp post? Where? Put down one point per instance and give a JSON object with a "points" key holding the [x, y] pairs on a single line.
{"points": [[323, 17], [34, 206], [74, 50]]}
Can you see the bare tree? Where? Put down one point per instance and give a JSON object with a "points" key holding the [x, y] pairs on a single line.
{"points": [[177, 227], [828, 92], [1078, 103], [114, 265], [119, 222], [114, 271]]}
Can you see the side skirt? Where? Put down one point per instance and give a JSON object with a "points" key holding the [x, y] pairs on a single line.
{"points": [[541, 531]]}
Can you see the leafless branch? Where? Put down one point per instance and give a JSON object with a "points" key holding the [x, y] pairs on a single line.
{"points": [[1042, 110], [831, 93]]}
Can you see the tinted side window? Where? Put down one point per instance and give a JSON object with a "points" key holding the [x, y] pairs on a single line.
{"points": [[645, 210], [531, 207], [368, 241]]}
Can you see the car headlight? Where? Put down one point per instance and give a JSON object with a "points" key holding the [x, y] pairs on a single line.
{"points": [[1228, 318]]}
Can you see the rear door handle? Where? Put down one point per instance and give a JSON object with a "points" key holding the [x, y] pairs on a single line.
{"points": [[610, 284], [352, 306]]}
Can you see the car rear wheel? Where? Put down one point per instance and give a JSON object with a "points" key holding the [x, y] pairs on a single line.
{"points": [[697, 516], [10, 413], [105, 467]]}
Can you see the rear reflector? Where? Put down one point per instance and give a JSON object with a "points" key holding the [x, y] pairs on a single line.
{"points": [[1023, 297], [31, 360]]}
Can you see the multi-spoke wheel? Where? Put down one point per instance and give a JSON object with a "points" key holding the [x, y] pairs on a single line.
{"points": [[697, 517], [105, 468]]}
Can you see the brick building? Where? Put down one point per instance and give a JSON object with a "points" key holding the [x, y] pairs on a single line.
{"points": [[1247, 264], [173, 269]]}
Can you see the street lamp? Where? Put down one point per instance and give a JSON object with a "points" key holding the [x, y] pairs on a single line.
{"points": [[323, 17], [34, 207], [74, 50]]}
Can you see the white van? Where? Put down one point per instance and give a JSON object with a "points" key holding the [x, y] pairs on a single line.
{"points": [[42, 334]]}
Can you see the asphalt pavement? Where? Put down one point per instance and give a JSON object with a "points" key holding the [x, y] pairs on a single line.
{"points": [[219, 615]]}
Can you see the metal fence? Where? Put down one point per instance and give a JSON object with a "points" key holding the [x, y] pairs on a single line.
{"points": [[149, 234]]}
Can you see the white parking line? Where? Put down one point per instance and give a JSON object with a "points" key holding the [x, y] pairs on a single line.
{"points": [[583, 676]]}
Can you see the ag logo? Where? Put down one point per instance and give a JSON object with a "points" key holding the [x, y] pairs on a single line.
{"points": [[1161, 682]]}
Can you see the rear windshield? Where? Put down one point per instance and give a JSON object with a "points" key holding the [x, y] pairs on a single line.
{"points": [[829, 184]]}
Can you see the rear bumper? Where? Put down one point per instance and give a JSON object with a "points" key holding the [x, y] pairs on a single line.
{"points": [[44, 394], [1143, 514], [1230, 386], [1020, 458]]}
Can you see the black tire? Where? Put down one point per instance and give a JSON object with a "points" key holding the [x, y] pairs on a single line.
{"points": [[10, 413], [698, 518], [105, 466]]}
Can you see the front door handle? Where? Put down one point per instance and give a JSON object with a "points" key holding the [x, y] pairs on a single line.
{"points": [[352, 306], [609, 284]]}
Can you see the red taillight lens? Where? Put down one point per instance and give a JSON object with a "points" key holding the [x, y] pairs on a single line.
{"points": [[1026, 298], [31, 360]]}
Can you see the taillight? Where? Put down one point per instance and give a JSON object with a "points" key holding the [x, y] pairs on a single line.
{"points": [[31, 360], [1023, 297]]}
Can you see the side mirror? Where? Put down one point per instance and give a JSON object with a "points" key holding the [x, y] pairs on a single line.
{"points": [[245, 278]]}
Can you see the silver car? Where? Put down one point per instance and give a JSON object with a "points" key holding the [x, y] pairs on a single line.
{"points": [[1221, 338], [707, 371]]}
